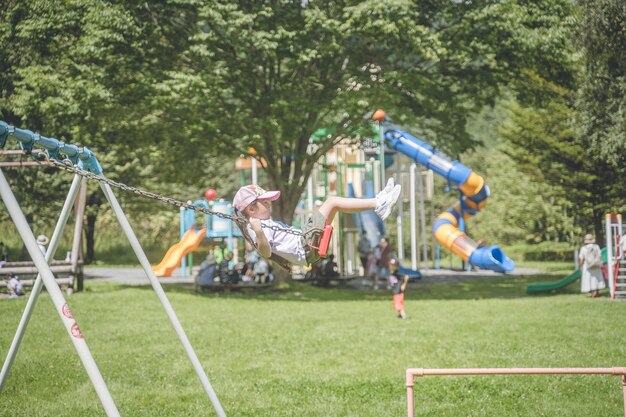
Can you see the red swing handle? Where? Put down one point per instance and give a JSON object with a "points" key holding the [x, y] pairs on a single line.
{"points": [[322, 250]]}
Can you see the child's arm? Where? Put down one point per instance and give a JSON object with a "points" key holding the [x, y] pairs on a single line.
{"points": [[261, 241], [405, 281]]}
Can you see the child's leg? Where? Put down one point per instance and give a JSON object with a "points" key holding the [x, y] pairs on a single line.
{"points": [[333, 204], [382, 203]]}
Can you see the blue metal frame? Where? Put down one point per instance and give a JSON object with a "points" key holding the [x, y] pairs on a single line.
{"points": [[54, 148]]}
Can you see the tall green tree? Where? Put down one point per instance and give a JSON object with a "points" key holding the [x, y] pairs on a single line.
{"points": [[602, 96], [154, 88], [284, 70], [87, 71], [567, 127], [601, 103]]}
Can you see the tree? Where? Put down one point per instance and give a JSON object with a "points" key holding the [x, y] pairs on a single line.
{"points": [[154, 88], [601, 103], [87, 71], [602, 96], [283, 71], [573, 141]]}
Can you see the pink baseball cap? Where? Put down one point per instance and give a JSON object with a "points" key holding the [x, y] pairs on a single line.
{"points": [[250, 193]]}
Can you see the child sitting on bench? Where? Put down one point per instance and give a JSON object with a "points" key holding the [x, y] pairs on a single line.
{"points": [[293, 245]]}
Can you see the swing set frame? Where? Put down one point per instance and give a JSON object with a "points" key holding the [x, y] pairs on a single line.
{"points": [[55, 150]]}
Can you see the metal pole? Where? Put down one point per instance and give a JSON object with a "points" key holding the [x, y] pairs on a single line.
{"points": [[409, 394], [78, 233], [183, 228], [37, 286], [399, 216], [382, 155], [462, 228], [350, 249], [254, 171], [156, 285], [624, 392], [414, 248], [57, 297], [309, 191], [420, 193], [608, 220], [377, 185]]}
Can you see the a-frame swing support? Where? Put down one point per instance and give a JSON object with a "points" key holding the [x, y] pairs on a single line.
{"points": [[86, 160]]}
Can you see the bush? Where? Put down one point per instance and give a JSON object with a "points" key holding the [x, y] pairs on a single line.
{"points": [[552, 255], [543, 252]]}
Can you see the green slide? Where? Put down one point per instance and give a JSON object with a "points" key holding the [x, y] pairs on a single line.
{"points": [[551, 286]]}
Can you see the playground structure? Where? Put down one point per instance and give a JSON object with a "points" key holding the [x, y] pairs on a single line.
{"points": [[448, 228], [612, 257], [542, 287], [83, 163], [360, 171], [69, 272], [190, 240], [217, 231], [411, 373], [616, 270]]}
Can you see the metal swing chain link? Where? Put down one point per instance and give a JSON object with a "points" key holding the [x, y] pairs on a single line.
{"points": [[68, 166]]}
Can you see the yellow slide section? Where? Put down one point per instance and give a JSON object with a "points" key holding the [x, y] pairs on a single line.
{"points": [[175, 254]]}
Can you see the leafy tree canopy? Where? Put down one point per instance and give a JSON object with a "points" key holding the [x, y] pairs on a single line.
{"points": [[280, 72]]}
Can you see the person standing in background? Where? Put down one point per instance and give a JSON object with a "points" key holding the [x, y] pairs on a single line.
{"points": [[364, 248], [42, 241], [590, 260], [383, 254]]}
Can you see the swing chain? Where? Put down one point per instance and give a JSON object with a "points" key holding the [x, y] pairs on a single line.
{"points": [[68, 166]]}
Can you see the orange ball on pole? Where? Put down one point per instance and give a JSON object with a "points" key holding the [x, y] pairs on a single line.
{"points": [[379, 115]]}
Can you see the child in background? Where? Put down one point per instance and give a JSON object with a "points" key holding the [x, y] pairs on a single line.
{"points": [[14, 286], [293, 245], [372, 269], [398, 285]]}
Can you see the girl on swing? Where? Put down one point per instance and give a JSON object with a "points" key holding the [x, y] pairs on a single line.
{"points": [[272, 237]]}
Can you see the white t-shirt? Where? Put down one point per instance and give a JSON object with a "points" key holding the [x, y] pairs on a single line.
{"points": [[15, 287], [287, 245]]}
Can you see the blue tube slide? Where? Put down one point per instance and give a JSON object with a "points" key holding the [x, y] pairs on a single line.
{"points": [[475, 193]]}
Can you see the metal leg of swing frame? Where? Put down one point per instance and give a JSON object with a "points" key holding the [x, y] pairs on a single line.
{"points": [[71, 326], [156, 285], [38, 285]]}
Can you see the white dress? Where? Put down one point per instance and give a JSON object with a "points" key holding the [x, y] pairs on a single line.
{"points": [[592, 278]]}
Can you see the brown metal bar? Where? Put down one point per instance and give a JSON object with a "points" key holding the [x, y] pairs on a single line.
{"points": [[24, 164], [411, 373], [18, 152]]}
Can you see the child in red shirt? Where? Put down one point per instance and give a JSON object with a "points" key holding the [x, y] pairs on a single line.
{"points": [[398, 285]]}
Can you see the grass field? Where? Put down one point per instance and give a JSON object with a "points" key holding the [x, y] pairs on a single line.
{"points": [[306, 351]]}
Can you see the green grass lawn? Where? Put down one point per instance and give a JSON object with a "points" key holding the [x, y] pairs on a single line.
{"points": [[307, 351]]}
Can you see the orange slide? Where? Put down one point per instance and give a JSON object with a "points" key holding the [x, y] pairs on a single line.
{"points": [[175, 254]]}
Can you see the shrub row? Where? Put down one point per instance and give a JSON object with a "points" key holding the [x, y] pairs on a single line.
{"points": [[549, 255]]}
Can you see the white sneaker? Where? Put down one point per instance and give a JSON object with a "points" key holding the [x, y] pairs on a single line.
{"points": [[385, 201], [389, 186]]}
